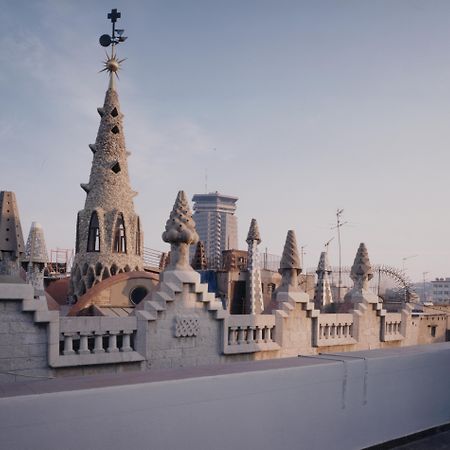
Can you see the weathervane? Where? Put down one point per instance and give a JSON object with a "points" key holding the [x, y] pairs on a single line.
{"points": [[112, 64]]}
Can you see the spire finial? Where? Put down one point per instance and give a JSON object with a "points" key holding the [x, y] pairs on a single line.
{"points": [[112, 64], [290, 264]]}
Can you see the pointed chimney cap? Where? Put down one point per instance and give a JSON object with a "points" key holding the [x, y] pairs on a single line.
{"points": [[324, 265], [361, 268], [253, 232], [11, 238], [180, 227], [290, 258]]}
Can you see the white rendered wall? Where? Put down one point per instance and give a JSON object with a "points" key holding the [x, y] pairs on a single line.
{"points": [[330, 405]]}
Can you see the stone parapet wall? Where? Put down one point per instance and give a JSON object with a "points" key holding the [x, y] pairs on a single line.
{"points": [[182, 324]]}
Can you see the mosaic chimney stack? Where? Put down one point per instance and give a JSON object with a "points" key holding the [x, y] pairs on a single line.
{"points": [[322, 295], [361, 273], [11, 239], [290, 266], [180, 233], [108, 235], [254, 290], [36, 257]]}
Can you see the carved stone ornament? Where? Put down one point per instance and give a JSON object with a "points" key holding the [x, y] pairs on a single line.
{"points": [[186, 326]]}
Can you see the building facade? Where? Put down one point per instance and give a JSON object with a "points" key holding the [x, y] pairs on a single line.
{"points": [[216, 224], [441, 290]]}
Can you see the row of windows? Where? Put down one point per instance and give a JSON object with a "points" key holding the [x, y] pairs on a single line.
{"points": [[120, 241]]}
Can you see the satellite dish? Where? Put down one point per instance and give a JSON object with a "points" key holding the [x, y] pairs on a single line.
{"points": [[105, 40]]}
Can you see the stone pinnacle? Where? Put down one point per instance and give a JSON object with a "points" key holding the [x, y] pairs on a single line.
{"points": [[290, 258], [253, 232], [361, 271]]}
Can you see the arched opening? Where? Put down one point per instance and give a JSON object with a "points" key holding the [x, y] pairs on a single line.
{"points": [[138, 237], [98, 269], [94, 234], [120, 243], [77, 235]]}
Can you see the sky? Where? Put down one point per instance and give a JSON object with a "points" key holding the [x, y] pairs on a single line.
{"points": [[296, 107]]}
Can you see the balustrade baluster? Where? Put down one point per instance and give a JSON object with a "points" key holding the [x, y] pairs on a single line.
{"points": [[84, 348], [259, 334], [126, 347], [98, 345], [250, 335], [241, 336], [68, 344], [112, 342]]}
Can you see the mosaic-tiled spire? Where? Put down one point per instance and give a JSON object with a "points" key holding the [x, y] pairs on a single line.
{"points": [[322, 294], [254, 289], [361, 272], [36, 257], [109, 236], [11, 239]]}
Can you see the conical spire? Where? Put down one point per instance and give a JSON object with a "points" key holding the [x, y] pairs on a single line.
{"points": [[253, 232], [199, 261], [109, 172], [361, 273], [109, 239], [255, 303], [324, 265], [290, 258], [180, 233], [35, 249], [11, 238], [322, 294], [290, 264]]}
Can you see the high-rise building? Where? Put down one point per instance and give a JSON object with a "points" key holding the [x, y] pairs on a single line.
{"points": [[216, 224]]}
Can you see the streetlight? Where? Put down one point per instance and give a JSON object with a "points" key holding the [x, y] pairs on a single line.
{"points": [[405, 259]]}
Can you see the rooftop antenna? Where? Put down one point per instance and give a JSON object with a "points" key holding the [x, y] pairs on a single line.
{"points": [[338, 226], [327, 244], [206, 181], [302, 255]]}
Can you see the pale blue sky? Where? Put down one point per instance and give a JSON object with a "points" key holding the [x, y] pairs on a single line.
{"points": [[296, 107]]}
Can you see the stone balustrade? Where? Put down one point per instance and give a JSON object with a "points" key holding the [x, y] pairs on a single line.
{"points": [[334, 329], [391, 327], [95, 340], [249, 334]]}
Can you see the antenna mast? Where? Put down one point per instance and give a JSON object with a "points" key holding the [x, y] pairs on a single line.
{"points": [[338, 226]]}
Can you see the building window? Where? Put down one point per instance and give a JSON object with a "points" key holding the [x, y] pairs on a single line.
{"points": [[138, 237], [433, 330], [120, 245], [94, 234]]}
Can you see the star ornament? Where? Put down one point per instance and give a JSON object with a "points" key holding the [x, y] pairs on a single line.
{"points": [[112, 64]]}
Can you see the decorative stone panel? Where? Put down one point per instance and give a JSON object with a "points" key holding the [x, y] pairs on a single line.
{"points": [[186, 326]]}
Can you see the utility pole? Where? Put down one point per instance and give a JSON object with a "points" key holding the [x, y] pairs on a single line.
{"points": [[302, 254], [424, 295], [327, 244], [405, 259], [338, 226]]}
